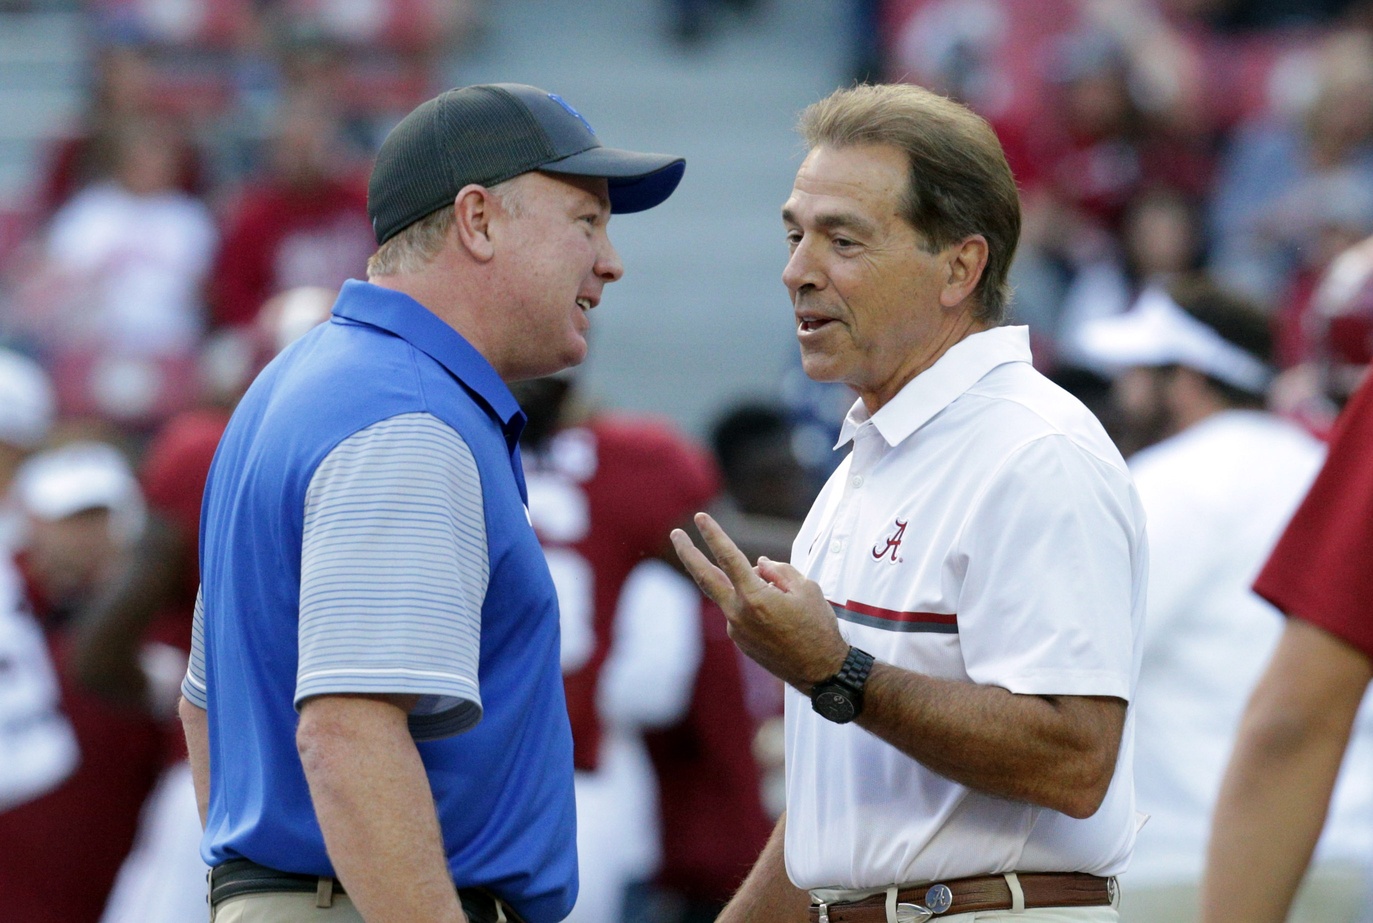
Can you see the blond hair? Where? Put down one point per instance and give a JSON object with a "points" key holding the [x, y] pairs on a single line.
{"points": [[415, 246]]}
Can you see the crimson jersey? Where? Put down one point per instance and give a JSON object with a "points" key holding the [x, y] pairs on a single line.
{"points": [[708, 779], [279, 238], [60, 852], [1320, 570], [602, 498]]}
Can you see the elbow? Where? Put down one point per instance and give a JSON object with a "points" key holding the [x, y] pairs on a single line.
{"points": [[1083, 788], [1082, 805]]}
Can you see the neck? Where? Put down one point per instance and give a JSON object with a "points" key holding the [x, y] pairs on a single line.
{"points": [[445, 300], [956, 331]]}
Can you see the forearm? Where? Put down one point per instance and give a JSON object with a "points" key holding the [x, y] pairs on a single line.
{"points": [[109, 631], [1057, 752], [767, 894], [195, 725], [376, 810], [1276, 791]]}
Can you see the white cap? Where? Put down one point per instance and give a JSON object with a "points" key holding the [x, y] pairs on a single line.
{"points": [[82, 476], [27, 402], [1156, 331]]}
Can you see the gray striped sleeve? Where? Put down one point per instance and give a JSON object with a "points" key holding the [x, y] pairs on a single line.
{"points": [[394, 569], [193, 686]]}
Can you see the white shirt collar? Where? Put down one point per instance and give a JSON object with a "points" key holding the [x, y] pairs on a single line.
{"points": [[961, 367]]}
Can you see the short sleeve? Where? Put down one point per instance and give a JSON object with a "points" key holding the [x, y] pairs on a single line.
{"points": [[1050, 591], [394, 571], [194, 687], [1320, 570]]}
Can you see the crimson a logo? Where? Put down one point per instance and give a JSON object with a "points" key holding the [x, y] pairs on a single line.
{"points": [[893, 543]]}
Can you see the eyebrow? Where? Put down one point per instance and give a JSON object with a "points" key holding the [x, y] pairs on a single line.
{"points": [[829, 221]]}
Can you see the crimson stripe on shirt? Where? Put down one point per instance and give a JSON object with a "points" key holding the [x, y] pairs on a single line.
{"points": [[891, 620]]}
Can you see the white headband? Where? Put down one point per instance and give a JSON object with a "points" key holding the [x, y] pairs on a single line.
{"points": [[1158, 332]]}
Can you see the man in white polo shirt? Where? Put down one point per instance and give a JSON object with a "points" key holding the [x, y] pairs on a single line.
{"points": [[968, 588], [1218, 491]]}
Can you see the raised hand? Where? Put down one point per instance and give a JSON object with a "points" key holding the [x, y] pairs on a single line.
{"points": [[776, 616]]}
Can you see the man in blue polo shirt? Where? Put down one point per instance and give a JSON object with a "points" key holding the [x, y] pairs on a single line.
{"points": [[374, 709]]}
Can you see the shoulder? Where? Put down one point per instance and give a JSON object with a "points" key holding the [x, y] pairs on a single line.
{"points": [[1014, 405]]}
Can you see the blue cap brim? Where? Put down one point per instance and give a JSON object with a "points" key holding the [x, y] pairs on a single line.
{"points": [[637, 181]]}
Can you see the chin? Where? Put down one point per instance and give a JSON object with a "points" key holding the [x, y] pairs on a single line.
{"points": [[818, 369]]}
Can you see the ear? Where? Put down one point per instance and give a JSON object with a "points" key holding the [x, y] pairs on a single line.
{"points": [[474, 209], [966, 261]]}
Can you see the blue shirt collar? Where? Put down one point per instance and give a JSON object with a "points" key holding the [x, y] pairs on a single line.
{"points": [[403, 316]]}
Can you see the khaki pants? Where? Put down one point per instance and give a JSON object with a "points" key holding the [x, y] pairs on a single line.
{"points": [[1329, 894], [289, 907]]}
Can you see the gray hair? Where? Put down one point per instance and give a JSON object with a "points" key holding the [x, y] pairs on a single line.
{"points": [[958, 183]]}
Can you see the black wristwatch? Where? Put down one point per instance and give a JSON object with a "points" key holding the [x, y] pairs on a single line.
{"points": [[840, 698]]}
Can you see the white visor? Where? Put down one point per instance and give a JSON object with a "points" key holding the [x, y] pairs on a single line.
{"points": [[1157, 332]]}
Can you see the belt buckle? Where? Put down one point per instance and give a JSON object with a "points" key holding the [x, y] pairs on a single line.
{"points": [[938, 899], [824, 913]]}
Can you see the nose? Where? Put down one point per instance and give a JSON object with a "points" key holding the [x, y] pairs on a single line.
{"points": [[801, 272], [608, 266]]}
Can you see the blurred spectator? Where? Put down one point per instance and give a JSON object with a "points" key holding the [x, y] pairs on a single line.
{"points": [[604, 492], [27, 408], [1160, 239], [767, 488], [59, 853], [1340, 328], [1295, 188], [708, 779], [124, 86], [692, 22], [130, 642], [300, 222], [38, 749], [1253, 15], [1109, 130], [1214, 514], [114, 306]]}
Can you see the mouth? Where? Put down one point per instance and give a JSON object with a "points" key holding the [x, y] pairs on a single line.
{"points": [[586, 304], [809, 323]]}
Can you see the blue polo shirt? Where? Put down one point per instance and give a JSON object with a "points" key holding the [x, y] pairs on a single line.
{"points": [[383, 434]]}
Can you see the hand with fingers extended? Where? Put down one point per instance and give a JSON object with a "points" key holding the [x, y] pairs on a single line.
{"points": [[776, 616]]}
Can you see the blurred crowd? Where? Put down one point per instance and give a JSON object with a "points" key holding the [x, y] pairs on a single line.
{"points": [[1195, 177]]}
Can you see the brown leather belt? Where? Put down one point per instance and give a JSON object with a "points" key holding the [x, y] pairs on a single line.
{"points": [[971, 895]]}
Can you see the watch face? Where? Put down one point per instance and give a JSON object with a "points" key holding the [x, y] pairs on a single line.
{"points": [[835, 706]]}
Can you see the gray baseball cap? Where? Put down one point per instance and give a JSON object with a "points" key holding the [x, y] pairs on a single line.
{"points": [[490, 133]]}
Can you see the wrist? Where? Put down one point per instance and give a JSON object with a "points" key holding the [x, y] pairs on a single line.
{"points": [[823, 670], [840, 698]]}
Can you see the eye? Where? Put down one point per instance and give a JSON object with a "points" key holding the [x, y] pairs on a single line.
{"points": [[793, 239]]}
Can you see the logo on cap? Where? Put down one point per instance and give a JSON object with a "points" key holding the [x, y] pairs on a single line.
{"points": [[573, 112]]}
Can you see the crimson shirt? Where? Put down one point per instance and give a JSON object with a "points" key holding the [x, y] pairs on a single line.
{"points": [[1322, 568]]}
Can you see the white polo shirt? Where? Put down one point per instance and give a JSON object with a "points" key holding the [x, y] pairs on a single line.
{"points": [[1218, 495], [983, 529]]}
